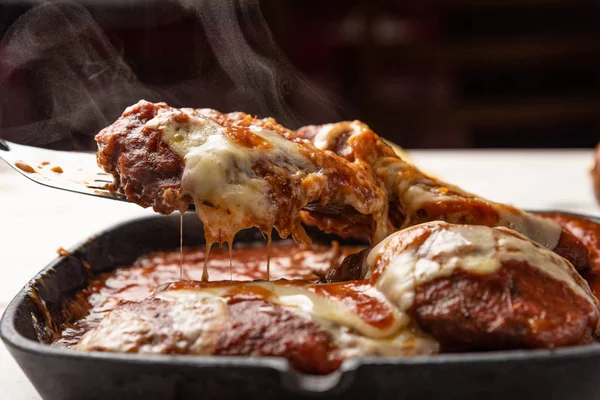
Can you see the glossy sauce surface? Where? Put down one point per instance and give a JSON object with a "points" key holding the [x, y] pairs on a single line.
{"points": [[140, 280], [588, 232]]}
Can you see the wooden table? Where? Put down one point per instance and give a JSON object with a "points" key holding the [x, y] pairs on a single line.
{"points": [[35, 220]]}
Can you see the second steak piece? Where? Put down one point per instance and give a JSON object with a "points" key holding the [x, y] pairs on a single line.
{"points": [[476, 287], [415, 197]]}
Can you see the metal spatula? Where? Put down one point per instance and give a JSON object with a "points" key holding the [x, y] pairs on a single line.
{"points": [[80, 173]]}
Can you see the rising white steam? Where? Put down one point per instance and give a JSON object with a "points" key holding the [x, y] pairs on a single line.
{"points": [[61, 79]]}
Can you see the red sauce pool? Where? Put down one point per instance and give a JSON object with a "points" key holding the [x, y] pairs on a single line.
{"points": [[248, 262]]}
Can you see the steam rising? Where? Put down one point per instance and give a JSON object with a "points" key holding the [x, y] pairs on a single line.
{"points": [[267, 78], [76, 77], [57, 63]]}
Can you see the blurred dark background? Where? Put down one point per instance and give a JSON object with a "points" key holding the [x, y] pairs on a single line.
{"points": [[425, 74]]}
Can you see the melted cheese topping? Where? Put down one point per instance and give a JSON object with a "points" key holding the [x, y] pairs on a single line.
{"points": [[328, 133], [131, 327], [219, 172], [416, 190], [351, 329], [425, 252], [301, 299], [540, 230], [419, 194]]}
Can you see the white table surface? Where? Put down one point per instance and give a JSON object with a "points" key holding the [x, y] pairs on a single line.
{"points": [[35, 220]]}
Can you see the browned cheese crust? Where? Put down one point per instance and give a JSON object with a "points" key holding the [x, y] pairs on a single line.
{"points": [[149, 173]]}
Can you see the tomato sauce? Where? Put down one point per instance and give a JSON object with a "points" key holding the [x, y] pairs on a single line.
{"points": [[248, 262]]}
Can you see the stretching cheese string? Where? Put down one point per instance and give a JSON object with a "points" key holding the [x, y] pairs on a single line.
{"points": [[229, 246], [205, 269], [269, 254], [180, 245]]}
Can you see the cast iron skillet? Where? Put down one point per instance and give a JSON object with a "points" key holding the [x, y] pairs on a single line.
{"points": [[566, 373]]}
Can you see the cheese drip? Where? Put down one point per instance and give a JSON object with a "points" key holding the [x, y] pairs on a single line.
{"points": [[180, 245], [220, 177]]}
